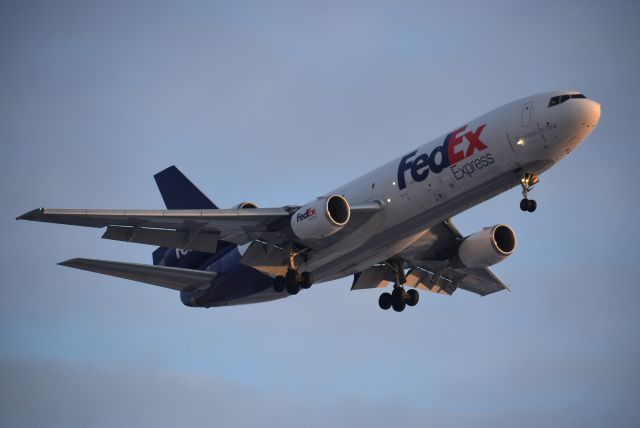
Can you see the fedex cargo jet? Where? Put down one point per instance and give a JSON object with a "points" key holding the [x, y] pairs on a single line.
{"points": [[390, 226]]}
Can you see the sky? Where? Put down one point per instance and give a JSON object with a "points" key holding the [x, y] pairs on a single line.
{"points": [[277, 103]]}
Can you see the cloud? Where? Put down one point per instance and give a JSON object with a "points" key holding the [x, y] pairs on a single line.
{"points": [[56, 394]]}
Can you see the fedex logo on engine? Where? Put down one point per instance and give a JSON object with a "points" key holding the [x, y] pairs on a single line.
{"points": [[450, 153], [310, 212]]}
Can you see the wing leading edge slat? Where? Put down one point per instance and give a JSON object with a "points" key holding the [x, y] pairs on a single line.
{"points": [[166, 219]]}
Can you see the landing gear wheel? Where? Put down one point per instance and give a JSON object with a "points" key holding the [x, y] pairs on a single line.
{"points": [[279, 284], [385, 301], [528, 205], [306, 279], [527, 182], [398, 298], [293, 289], [292, 280], [398, 306], [412, 297], [532, 205], [398, 294]]}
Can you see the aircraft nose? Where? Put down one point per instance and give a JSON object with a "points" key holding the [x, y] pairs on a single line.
{"points": [[584, 114], [593, 113], [590, 113]]}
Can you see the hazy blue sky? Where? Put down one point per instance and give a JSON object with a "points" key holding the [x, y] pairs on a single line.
{"points": [[276, 103]]}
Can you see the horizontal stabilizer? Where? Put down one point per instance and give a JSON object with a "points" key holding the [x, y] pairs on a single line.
{"points": [[162, 276]]}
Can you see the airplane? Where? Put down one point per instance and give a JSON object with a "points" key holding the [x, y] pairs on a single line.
{"points": [[390, 226]]}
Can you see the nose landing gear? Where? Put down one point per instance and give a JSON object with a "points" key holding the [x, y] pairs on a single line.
{"points": [[527, 182]]}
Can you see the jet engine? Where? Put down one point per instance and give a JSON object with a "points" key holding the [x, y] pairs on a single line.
{"points": [[322, 217], [487, 247], [244, 205]]}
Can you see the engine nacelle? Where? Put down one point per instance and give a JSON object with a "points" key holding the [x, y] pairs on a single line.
{"points": [[322, 217], [245, 205], [487, 247]]}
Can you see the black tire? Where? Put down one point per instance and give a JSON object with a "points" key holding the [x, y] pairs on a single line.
{"points": [[293, 289], [524, 204], [279, 284], [306, 280], [399, 295], [292, 280], [385, 301], [398, 306], [532, 205], [413, 297]]}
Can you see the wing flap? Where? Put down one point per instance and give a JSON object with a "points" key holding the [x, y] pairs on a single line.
{"points": [[446, 280], [206, 241], [162, 276], [481, 281], [374, 277]]}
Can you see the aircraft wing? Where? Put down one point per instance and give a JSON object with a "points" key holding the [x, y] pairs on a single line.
{"points": [[189, 229], [431, 270], [162, 276], [431, 256], [445, 281]]}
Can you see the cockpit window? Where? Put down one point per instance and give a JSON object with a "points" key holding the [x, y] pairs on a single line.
{"points": [[554, 101]]}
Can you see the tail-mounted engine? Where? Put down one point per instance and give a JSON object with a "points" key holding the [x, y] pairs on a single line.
{"points": [[245, 205], [487, 247], [322, 217]]}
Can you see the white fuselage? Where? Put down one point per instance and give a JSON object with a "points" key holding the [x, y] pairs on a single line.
{"points": [[484, 157]]}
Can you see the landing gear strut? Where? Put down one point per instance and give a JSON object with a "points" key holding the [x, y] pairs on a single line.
{"points": [[292, 281], [527, 182], [398, 299]]}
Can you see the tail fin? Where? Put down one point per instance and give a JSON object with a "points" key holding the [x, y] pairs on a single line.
{"points": [[179, 193], [158, 255]]}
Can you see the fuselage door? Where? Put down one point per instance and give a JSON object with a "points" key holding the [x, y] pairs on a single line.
{"points": [[526, 114]]}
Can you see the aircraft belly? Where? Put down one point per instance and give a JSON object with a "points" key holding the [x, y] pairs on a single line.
{"points": [[235, 282]]}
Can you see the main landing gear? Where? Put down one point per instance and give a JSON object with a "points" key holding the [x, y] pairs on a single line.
{"points": [[398, 299], [527, 182], [292, 281]]}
